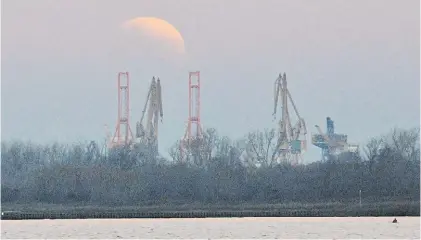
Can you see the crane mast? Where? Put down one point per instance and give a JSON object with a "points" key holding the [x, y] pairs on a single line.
{"points": [[291, 139], [153, 110]]}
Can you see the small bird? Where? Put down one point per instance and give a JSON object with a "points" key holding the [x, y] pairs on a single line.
{"points": [[394, 221]]}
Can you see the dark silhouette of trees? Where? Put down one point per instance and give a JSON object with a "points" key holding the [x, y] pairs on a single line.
{"points": [[217, 172]]}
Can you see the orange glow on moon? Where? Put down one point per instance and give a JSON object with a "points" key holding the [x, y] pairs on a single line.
{"points": [[157, 29]]}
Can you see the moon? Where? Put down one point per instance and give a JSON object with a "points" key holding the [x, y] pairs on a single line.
{"points": [[156, 33]]}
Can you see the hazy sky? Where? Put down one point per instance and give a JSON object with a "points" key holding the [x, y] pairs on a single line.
{"points": [[355, 61]]}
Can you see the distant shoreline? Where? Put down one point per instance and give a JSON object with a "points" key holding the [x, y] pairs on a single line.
{"points": [[56, 211]]}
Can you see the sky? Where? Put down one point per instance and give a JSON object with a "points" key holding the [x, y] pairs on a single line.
{"points": [[355, 61]]}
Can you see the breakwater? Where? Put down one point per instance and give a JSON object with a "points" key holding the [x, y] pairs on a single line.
{"points": [[341, 210]]}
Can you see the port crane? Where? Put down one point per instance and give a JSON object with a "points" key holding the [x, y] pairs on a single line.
{"points": [[148, 134], [333, 147], [291, 140], [332, 143]]}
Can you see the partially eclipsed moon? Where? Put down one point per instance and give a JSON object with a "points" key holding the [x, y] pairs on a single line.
{"points": [[157, 29]]}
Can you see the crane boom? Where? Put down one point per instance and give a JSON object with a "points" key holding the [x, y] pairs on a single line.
{"points": [[332, 144], [153, 111], [146, 105], [161, 111], [276, 93], [293, 105], [325, 137]]}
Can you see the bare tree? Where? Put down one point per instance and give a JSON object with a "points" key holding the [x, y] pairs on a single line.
{"points": [[406, 143], [198, 152], [175, 152], [215, 176], [261, 145], [373, 150]]}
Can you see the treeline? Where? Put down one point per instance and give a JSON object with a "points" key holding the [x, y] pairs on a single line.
{"points": [[214, 171]]}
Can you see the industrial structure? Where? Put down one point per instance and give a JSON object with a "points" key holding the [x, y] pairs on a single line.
{"points": [[194, 131], [291, 139], [123, 133], [147, 134], [331, 143], [146, 138], [290, 134]]}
